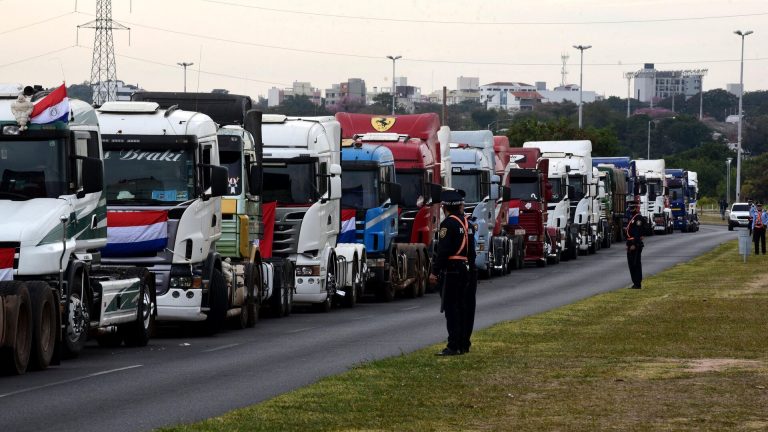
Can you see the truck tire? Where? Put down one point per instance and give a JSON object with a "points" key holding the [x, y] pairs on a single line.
{"points": [[330, 283], [15, 359], [277, 299], [413, 290], [77, 316], [386, 292], [289, 289], [350, 299], [137, 333], [217, 303], [44, 310], [254, 278]]}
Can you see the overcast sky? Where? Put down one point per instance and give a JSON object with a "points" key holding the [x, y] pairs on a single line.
{"points": [[250, 48]]}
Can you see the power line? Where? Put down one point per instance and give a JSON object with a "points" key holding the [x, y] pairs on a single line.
{"points": [[175, 66], [36, 56], [28, 25], [548, 23], [406, 59]]}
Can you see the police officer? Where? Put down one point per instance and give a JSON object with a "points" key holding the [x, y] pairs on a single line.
{"points": [[451, 270], [759, 222], [633, 232]]}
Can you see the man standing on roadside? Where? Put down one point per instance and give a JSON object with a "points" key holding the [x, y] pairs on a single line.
{"points": [[759, 221], [633, 232], [451, 271]]}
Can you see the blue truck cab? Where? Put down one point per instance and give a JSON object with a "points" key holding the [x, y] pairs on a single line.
{"points": [[680, 199], [371, 195]]}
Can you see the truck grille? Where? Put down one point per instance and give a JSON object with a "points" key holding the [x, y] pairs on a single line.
{"points": [[530, 222], [287, 229], [406, 225]]}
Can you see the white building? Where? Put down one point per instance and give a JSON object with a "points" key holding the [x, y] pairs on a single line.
{"points": [[276, 96], [511, 96], [733, 88], [568, 92], [652, 84], [122, 90], [467, 83]]}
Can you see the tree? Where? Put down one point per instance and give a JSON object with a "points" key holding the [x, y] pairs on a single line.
{"points": [[83, 91]]}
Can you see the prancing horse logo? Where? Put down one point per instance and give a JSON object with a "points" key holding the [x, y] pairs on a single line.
{"points": [[382, 124]]}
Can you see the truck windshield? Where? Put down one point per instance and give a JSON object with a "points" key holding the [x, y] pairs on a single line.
{"points": [[32, 169], [557, 187], [290, 183], [360, 189], [470, 184], [525, 188], [159, 177], [412, 187], [231, 160], [654, 187], [676, 193], [577, 182]]}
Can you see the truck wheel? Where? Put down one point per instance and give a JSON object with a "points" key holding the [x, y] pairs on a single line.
{"points": [[592, 248], [730, 227], [253, 284], [44, 310], [289, 289], [350, 299], [137, 333], [15, 359], [330, 287], [386, 287], [78, 317], [217, 303]]}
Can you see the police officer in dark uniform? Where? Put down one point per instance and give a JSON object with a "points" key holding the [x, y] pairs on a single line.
{"points": [[633, 232], [451, 270]]}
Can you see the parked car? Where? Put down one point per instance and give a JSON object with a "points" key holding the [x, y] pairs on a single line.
{"points": [[739, 216]]}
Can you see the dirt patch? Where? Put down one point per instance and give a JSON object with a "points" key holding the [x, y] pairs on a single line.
{"points": [[757, 287], [717, 365]]}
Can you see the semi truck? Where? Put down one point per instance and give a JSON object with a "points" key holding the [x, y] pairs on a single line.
{"points": [[531, 193], [693, 193], [248, 265], [654, 204], [413, 141], [164, 187], [575, 158], [302, 176], [54, 291], [613, 203], [371, 191], [473, 166], [680, 199], [635, 185]]}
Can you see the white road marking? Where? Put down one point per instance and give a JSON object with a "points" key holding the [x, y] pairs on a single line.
{"points": [[301, 330], [221, 347], [361, 317], [95, 374], [410, 308]]}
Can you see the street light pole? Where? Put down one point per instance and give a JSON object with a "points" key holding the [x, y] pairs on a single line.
{"points": [[649, 140], [628, 76], [185, 65], [741, 115], [394, 89], [728, 182], [581, 49]]}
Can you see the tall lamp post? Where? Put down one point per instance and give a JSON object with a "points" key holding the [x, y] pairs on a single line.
{"points": [[185, 65], [394, 89], [728, 182], [741, 115], [649, 140], [581, 49]]}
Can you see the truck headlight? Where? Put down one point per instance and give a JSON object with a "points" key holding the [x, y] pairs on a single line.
{"points": [[533, 237], [310, 270]]}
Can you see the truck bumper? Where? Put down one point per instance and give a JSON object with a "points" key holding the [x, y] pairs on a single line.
{"points": [[180, 305], [309, 289]]}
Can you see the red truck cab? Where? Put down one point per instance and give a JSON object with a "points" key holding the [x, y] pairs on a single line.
{"points": [[414, 144]]}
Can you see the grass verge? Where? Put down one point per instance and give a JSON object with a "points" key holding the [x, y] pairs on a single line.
{"points": [[686, 353]]}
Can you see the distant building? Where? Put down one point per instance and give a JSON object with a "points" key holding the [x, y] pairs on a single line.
{"points": [[467, 84], [276, 96], [511, 96], [351, 91], [653, 85], [733, 88], [568, 92], [123, 91]]}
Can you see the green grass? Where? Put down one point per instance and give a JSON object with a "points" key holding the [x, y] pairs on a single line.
{"points": [[688, 352]]}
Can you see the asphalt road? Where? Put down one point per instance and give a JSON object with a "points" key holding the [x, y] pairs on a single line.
{"points": [[179, 379]]}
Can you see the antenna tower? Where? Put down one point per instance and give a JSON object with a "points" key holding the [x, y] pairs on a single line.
{"points": [[564, 71], [103, 66]]}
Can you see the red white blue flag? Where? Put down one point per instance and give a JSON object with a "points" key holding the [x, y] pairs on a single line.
{"points": [[7, 256], [131, 233], [52, 108], [347, 233]]}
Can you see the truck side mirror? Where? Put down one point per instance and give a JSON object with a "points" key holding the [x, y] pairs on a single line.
{"points": [[93, 175], [255, 180], [435, 192], [334, 186], [506, 193], [219, 181], [571, 192]]}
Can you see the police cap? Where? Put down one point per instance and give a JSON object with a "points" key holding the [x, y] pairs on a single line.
{"points": [[452, 197]]}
